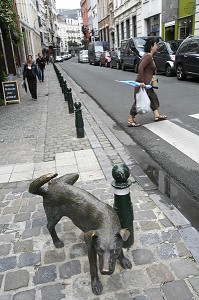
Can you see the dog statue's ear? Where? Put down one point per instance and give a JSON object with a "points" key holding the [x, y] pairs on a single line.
{"points": [[124, 234], [88, 237]]}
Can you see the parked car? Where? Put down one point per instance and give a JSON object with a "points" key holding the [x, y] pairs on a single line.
{"points": [[105, 59], [115, 59], [83, 56], [95, 49], [187, 58], [58, 59], [165, 57], [132, 50]]}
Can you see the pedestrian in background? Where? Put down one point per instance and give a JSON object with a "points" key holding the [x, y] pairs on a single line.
{"points": [[30, 72], [47, 59], [41, 62], [146, 70]]}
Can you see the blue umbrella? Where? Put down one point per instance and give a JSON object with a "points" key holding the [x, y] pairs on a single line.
{"points": [[134, 83]]}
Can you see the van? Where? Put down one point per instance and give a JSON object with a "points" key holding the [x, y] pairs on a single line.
{"points": [[95, 50], [83, 56], [132, 50]]}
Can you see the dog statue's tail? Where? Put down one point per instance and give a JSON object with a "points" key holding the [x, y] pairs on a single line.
{"points": [[36, 186]]}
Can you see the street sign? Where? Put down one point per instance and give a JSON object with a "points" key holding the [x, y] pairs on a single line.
{"points": [[11, 92]]}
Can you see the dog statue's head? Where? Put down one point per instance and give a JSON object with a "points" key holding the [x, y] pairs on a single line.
{"points": [[108, 247]]}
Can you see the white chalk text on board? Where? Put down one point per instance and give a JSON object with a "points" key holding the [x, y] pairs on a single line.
{"points": [[11, 91]]}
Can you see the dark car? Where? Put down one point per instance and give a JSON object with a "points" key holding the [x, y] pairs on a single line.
{"points": [[115, 59], [187, 58], [132, 50], [165, 57], [105, 59]]}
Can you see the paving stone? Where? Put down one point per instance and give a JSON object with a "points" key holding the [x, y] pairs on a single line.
{"points": [[26, 295], [23, 246], [78, 250], [151, 238], [8, 263], [145, 215], [10, 210], [39, 222], [114, 283], [177, 290], [165, 222], [22, 217], [5, 249], [45, 274], [6, 297], [166, 251], [7, 237], [29, 259], [171, 236], [31, 232], [6, 219], [52, 292], [154, 294], [184, 268], [149, 225], [140, 297], [195, 284], [142, 256], [15, 280], [182, 249], [53, 256], [70, 268], [123, 296], [159, 273], [136, 278], [28, 208], [38, 214]]}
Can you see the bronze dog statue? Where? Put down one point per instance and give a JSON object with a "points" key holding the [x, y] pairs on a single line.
{"points": [[99, 222]]}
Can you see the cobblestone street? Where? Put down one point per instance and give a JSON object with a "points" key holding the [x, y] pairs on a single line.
{"points": [[38, 137]]}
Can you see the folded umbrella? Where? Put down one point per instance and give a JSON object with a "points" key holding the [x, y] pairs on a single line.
{"points": [[134, 83]]}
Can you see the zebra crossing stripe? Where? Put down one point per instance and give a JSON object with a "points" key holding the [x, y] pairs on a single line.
{"points": [[180, 138], [196, 116]]}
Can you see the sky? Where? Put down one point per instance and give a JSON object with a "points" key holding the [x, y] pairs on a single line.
{"points": [[67, 4]]}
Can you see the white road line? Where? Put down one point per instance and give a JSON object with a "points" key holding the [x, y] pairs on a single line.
{"points": [[182, 139], [196, 116]]}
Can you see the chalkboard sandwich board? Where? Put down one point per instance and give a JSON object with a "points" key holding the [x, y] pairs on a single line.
{"points": [[11, 92]]}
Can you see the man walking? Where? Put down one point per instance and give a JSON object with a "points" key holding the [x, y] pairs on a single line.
{"points": [[41, 62]]}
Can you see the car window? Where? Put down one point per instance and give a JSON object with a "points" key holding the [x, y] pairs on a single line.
{"points": [[193, 46], [161, 47], [183, 47], [139, 42]]}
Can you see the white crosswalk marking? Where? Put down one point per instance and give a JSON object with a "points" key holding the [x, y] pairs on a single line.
{"points": [[196, 116], [182, 139]]}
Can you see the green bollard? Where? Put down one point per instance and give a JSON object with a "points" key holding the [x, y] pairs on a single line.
{"points": [[79, 123], [70, 102], [122, 200]]}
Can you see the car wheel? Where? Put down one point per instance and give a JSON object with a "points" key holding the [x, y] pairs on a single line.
{"points": [[168, 71], [106, 64], [123, 67], [111, 65], [180, 72], [90, 62], [118, 65], [136, 67]]}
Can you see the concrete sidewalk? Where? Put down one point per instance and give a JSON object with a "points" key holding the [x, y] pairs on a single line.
{"points": [[40, 137]]}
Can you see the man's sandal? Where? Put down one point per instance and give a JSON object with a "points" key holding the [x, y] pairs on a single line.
{"points": [[132, 124], [160, 118]]}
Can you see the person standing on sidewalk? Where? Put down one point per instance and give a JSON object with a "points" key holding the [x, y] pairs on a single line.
{"points": [[41, 62], [146, 70], [30, 72]]}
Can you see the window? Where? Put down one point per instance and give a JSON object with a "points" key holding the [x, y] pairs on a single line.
{"points": [[183, 47], [193, 46], [128, 29], [122, 30]]}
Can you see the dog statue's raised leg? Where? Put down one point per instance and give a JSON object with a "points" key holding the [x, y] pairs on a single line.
{"points": [[51, 228], [124, 262]]}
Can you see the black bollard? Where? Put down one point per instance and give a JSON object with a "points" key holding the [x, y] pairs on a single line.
{"points": [[63, 86], [122, 200], [66, 93], [70, 102], [79, 123]]}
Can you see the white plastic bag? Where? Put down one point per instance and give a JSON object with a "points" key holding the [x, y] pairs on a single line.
{"points": [[142, 102]]}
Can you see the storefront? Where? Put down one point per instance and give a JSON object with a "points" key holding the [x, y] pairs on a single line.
{"points": [[185, 18], [153, 25]]}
